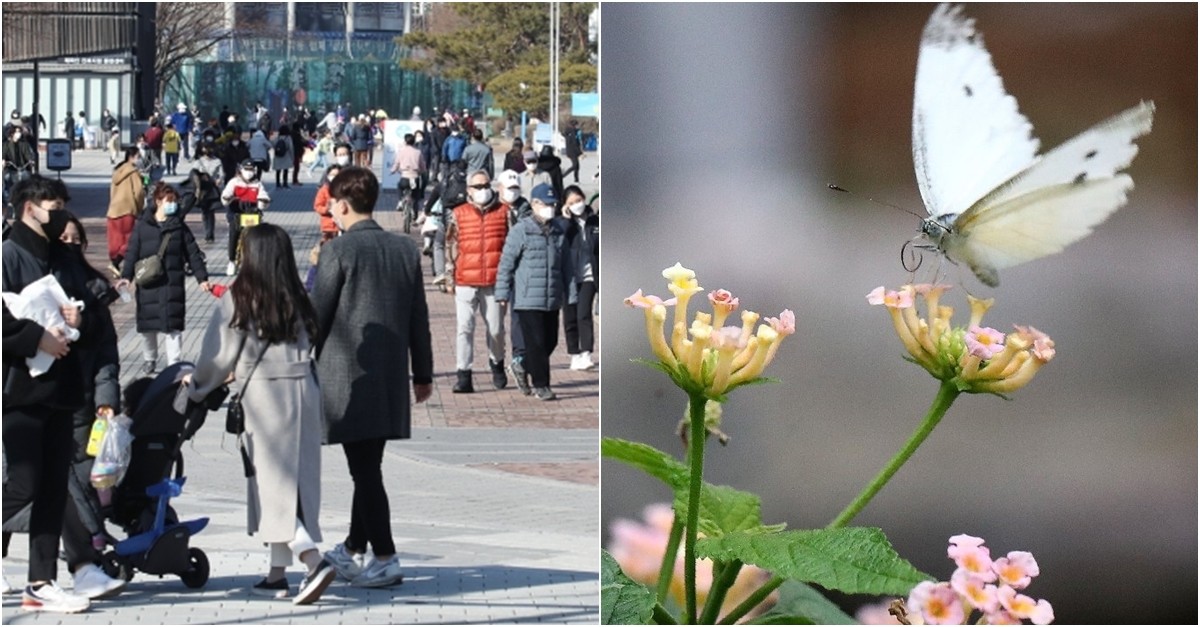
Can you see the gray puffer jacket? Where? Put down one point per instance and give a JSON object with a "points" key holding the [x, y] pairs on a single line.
{"points": [[534, 268]]}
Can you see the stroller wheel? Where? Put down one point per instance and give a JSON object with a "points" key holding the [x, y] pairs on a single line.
{"points": [[197, 575], [115, 567]]}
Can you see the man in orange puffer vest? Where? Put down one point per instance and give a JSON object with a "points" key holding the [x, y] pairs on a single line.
{"points": [[475, 236]]}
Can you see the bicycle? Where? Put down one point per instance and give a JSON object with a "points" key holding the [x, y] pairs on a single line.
{"points": [[407, 204]]}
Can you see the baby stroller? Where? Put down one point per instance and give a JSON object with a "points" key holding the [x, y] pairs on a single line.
{"points": [[157, 541]]}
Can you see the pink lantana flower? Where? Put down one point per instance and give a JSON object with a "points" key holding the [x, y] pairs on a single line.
{"points": [[972, 357], [971, 586], [705, 356], [971, 556], [1020, 606], [1017, 569], [984, 342], [723, 304], [936, 604]]}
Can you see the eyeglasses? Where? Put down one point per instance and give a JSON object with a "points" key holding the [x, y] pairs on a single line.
{"points": [[480, 186], [53, 207]]}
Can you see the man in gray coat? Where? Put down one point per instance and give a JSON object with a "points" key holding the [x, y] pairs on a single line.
{"points": [[479, 155], [370, 302]]}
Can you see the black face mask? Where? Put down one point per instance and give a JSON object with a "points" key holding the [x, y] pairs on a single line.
{"points": [[54, 227], [76, 249]]}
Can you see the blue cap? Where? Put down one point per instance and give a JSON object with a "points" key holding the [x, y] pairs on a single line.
{"points": [[543, 192]]}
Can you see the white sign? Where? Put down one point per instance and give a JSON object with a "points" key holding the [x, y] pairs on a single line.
{"points": [[393, 138]]}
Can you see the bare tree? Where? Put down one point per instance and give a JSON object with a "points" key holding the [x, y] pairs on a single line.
{"points": [[184, 31]]}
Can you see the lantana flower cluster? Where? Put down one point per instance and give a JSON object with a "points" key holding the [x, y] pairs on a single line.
{"points": [[975, 358], [639, 549], [707, 356], [980, 584]]}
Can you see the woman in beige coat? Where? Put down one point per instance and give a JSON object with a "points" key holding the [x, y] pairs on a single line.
{"points": [[261, 335]]}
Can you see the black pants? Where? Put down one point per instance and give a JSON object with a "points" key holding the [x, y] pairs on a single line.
{"points": [[39, 447], [541, 336], [573, 169], [370, 515], [281, 173], [235, 230], [208, 213], [517, 338], [578, 324]]}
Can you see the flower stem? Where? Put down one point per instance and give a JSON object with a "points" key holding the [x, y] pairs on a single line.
{"points": [[667, 571], [662, 616], [696, 465], [716, 594], [752, 601], [945, 397]]}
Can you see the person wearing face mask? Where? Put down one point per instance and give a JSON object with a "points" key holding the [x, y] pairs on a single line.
{"points": [[475, 235], [341, 154], [127, 196], [329, 229], [37, 411], [243, 194], [583, 244], [531, 177], [534, 273], [233, 152], [19, 158], [100, 370], [161, 304], [510, 194]]}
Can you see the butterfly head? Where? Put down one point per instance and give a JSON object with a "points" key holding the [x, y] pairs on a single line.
{"points": [[936, 228]]}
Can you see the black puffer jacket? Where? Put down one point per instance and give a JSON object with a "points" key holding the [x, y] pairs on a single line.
{"points": [[160, 305]]}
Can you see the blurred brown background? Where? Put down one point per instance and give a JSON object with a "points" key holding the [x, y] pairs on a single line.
{"points": [[723, 125]]}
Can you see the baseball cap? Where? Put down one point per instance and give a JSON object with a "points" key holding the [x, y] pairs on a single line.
{"points": [[544, 193], [509, 178]]}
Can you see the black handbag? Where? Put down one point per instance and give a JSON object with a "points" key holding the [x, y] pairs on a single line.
{"points": [[235, 418]]}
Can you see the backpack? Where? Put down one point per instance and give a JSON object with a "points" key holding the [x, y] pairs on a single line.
{"points": [[280, 147], [454, 190]]}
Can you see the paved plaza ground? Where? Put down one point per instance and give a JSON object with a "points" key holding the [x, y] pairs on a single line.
{"points": [[494, 501]]}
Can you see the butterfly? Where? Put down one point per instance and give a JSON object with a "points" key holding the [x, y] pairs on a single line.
{"points": [[992, 201]]}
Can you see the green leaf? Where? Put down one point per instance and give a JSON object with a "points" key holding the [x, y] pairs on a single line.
{"points": [[855, 560], [654, 462], [800, 601], [783, 619], [723, 509], [623, 601]]}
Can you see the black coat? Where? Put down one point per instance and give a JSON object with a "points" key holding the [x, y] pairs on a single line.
{"points": [[160, 305]]}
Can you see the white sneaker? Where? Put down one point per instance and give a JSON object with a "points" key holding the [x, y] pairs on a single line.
{"points": [[51, 598], [93, 583], [574, 361], [379, 574], [230, 269], [585, 361], [8, 587], [347, 564]]}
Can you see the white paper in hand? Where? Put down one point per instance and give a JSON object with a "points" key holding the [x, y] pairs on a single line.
{"points": [[40, 302], [993, 203]]}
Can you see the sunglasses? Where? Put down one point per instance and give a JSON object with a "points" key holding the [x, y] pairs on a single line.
{"points": [[480, 186]]}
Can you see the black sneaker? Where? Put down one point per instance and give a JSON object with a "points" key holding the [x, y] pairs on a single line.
{"points": [[522, 377], [499, 377], [315, 583], [463, 385], [544, 394], [277, 589]]}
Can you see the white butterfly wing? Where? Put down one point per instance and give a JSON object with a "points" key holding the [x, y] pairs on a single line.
{"points": [[1036, 224], [968, 136], [1055, 202]]}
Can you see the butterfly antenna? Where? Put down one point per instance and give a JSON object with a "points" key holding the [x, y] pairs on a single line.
{"points": [[878, 202]]}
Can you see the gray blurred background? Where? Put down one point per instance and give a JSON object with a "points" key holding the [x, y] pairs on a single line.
{"points": [[723, 125]]}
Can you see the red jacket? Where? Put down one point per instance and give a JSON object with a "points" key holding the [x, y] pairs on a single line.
{"points": [[480, 242], [321, 206], [154, 137]]}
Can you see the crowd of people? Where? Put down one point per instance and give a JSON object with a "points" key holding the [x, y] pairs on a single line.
{"points": [[327, 359]]}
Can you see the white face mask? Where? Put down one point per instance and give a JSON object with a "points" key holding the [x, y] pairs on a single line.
{"points": [[248, 174], [231, 120], [482, 197], [510, 195], [342, 160], [333, 213], [576, 208], [544, 213], [16, 137], [170, 208]]}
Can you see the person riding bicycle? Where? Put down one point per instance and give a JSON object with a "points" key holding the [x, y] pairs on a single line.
{"points": [[410, 163], [246, 199]]}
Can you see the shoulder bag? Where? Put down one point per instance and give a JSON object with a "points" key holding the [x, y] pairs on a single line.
{"points": [[148, 270]]}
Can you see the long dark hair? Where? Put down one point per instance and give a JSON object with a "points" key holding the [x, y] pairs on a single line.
{"points": [[268, 293]]}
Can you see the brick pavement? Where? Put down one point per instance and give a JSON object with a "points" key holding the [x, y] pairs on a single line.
{"points": [[494, 500]]}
